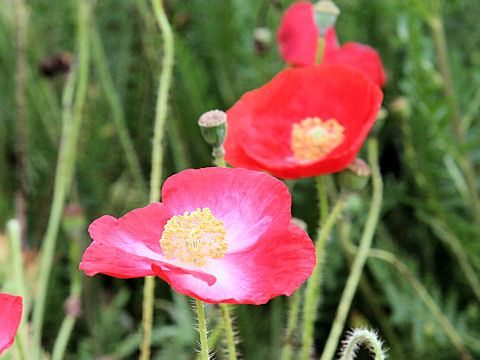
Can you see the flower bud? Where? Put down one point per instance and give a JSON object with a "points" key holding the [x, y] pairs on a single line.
{"points": [[262, 37], [300, 223], [213, 125], [355, 176], [325, 14]]}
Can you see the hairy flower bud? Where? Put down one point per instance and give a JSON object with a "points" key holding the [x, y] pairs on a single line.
{"points": [[355, 176]]}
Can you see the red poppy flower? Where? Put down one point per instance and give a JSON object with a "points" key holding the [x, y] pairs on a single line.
{"points": [[220, 235], [305, 122], [298, 44], [10, 316]]}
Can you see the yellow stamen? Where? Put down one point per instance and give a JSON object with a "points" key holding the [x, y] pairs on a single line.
{"points": [[193, 237], [313, 138]]}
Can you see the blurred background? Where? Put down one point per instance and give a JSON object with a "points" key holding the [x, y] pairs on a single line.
{"points": [[429, 156]]}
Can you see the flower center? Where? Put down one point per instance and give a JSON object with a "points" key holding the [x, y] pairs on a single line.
{"points": [[193, 237], [313, 138]]}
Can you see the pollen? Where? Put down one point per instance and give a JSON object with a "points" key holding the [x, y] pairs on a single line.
{"points": [[194, 237], [313, 138]]}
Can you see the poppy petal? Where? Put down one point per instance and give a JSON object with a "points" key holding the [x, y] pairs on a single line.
{"points": [[10, 315], [239, 199], [276, 265]]}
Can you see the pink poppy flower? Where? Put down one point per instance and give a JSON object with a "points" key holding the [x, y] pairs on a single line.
{"points": [[298, 44], [220, 235], [10, 316]]}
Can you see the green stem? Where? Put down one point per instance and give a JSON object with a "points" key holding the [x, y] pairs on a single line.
{"points": [[65, 166], [118, 114], [362, 336], [312, 294], [202, 329], [426, 298], [361, 257], [321, 43], [157, 160], [232, 352], [292, 322]]}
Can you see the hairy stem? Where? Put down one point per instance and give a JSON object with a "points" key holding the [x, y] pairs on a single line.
{"points": [[202, 329], [312, 293]]}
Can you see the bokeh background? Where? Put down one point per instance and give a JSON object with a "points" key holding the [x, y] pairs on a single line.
{"points": [[429, 130]]}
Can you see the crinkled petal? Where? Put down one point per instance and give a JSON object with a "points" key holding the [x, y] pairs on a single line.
{"points": [[298, 35], [263, 118], [276, 265], [10, 315], [248, 202], [361, 57], [126, 247]]}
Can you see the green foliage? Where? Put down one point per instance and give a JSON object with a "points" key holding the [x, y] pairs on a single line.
{"points": [[428, 217]]}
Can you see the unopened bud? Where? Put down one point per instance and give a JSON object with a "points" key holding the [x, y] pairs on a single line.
{"points": [[325, 14], [355, 176], [263, 39], [213, 125], [300, 223]]}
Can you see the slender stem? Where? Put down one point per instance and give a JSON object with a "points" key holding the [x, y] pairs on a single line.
{"points": [[65, 166], [118, 114], [292, 322], [362, 336], [361, 257], [202, 329], [321, 44], [312, 294], [157, 161], [162, 99], [232, 352], [425, 296]]}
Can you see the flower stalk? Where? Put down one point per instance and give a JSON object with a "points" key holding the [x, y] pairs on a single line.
{"points": [[362, 254], [157, 160], [65, 165], [312, 294], [202, 329]]}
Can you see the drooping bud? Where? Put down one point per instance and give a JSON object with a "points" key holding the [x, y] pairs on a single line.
{"points": [[262, 39], [355, 176], [325, 14], [213, 125]]}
